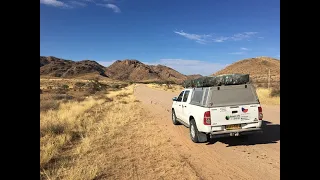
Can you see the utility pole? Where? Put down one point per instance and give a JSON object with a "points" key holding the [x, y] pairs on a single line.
{"points": [[269, 79]]}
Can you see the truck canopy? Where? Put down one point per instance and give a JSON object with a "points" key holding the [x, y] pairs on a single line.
{"points": [[224, 96]]}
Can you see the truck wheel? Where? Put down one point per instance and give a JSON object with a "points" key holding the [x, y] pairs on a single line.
{"points": [[194, 133], [244, 137], [174, 118]]}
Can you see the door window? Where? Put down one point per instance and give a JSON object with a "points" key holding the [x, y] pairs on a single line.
{"points": [[180, 96], [186, 95]]}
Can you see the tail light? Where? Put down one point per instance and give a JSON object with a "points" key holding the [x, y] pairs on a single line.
{"points": [[260, 113], [207, 118]]}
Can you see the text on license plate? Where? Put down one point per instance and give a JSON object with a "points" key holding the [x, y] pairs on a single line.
{"points": [[233, 126]]}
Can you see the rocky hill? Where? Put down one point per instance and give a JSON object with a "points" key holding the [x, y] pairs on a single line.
{"points": [[257, 67], [194, 76], [57, 67], [253, 66], [125, 70], [134, 70]]}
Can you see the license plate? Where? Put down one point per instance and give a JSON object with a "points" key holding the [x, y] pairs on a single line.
{"points": [[233, 126]]}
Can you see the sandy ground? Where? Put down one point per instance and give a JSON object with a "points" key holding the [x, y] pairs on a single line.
{"points": [[257, 157]]}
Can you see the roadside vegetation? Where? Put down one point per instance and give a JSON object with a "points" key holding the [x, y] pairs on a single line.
{"points": [[100, 131]]}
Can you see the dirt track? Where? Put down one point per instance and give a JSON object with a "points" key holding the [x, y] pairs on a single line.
{"points": [[257, 157]]}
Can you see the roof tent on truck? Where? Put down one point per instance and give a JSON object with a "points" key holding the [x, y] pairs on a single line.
{"points": [[220, 80], [222, 90]]}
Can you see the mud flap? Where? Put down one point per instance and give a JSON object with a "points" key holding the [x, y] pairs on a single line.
{"points": [[202, 137]]}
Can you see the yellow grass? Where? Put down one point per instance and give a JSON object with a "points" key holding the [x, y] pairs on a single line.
{"points": [[103, 139], [263, 94], [265, 98], [172, 88]]}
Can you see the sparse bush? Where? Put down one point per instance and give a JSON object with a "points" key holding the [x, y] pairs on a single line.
{"points": [[124, 85], [258, 85], [52, 101], [118, 86], [95, 86], [40, 91], [62, 89], [275, 92], [46, 105], [56, 129], [123, 102], [102, 95], [79, 85], [123, 94], [79, 99], [62, 97], [115, 86], [108, 99], [168, 84], [65, 87], [264, 85]]}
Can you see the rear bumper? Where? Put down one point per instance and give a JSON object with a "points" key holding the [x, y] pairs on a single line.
{"points": [[238, 132]]}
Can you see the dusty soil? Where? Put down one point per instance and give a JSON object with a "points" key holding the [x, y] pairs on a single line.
{"points": [[257, 157]]}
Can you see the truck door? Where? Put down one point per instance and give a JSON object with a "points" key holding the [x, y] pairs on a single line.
{"points": [[178, 106], [185, 107]]}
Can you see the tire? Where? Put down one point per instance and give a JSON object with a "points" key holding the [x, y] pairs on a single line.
{"points": [[174, 118], [244, 137], [194, 133]]}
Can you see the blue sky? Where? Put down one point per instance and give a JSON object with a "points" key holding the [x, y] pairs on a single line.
{"points": [[191, 36]]}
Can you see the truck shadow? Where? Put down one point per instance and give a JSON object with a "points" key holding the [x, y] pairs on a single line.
{"points": [[271, 134]]}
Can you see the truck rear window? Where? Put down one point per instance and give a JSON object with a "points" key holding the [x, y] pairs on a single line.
{"points": [[233, 95]]}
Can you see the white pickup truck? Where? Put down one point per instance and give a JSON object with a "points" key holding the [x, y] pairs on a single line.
{"points": [[212, 112]]}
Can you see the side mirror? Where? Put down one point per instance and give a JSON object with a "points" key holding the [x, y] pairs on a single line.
{"points": [[174, 99]]}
